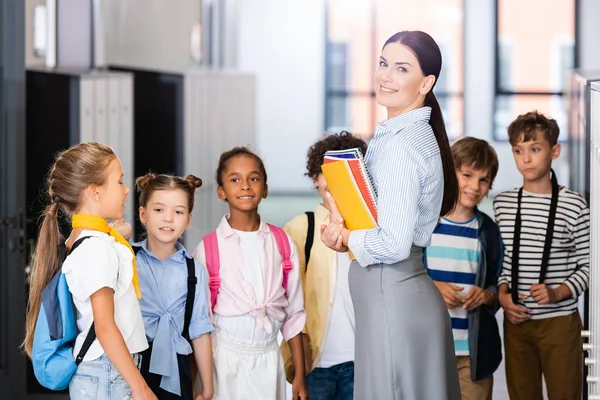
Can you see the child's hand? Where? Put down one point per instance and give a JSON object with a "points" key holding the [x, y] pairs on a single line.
{"points": [[450, 294], [515, 314], [542, 294], [144, 394], [299, 388], [202, 397], [475, 298], [124, 228]]}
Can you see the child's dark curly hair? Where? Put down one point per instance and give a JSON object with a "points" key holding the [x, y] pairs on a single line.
{"points": [[342, 141]]}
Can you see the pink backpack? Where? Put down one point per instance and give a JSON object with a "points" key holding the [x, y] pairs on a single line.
{"points": [[213, 263]]}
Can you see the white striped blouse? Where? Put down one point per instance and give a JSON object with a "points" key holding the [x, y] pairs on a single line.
{"points": [[404, 160]]}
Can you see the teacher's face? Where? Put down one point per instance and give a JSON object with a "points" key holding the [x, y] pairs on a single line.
{"points": [[399, 82]]}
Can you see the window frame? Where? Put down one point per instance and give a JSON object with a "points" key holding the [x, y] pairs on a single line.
{"points": [[501, 92]]}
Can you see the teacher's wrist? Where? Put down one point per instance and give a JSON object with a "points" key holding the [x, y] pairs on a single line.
{"points": [[345, 236]]}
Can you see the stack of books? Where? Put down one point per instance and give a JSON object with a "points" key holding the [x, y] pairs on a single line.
{"points": [[352, 188]]}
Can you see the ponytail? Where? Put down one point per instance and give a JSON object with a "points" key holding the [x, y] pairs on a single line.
{"points": [[439, 129], [45, 266]]}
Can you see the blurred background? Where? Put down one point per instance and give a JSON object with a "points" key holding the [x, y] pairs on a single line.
{"points": [[171, 84]]}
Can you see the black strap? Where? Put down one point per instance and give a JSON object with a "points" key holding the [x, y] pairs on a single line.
{"points": [[89, 339], [310, 237], [91, 336], [547, 242], [191, 293]]}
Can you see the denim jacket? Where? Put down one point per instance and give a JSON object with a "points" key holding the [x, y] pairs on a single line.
{"points": [[485, 347]]}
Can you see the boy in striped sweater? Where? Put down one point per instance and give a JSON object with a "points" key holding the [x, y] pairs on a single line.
{"points": [[545, 229], [464, 261]]}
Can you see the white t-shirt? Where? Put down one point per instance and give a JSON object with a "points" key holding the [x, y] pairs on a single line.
{"points": [[339, 343], [246, 327], [101, 262]]}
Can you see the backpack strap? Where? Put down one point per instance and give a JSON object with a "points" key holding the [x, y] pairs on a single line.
{"points": [[213, 265], [310, 237], [191, 293], [91, 336], [283, 245]]}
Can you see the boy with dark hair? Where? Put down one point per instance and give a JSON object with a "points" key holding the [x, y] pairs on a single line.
{"points": [[545, 229], [464, 260], [329, 331]]}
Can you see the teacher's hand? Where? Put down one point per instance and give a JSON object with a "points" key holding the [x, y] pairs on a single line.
{"points": [[332, 235]]}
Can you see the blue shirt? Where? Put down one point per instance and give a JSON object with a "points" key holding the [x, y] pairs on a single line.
{"points": [[164, 290], [404, 161]]}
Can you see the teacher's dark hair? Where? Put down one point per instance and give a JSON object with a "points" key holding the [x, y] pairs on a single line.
{"points": [[430, 59]]}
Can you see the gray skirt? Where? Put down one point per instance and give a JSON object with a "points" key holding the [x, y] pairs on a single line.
{"points": [[404, 344]]}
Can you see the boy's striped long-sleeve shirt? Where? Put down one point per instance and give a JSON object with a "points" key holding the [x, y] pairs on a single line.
{"points": [[569, 255]]}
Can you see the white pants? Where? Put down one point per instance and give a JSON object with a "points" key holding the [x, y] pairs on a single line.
{"points": [[247, 370]]}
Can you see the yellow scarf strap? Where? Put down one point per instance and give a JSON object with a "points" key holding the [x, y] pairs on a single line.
{"points": [[97, 223]]}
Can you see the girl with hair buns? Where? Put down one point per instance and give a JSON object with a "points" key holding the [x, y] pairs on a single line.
{"points": [[86, 184], [166, 204]]}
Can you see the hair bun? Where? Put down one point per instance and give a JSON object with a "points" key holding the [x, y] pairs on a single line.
{"points": [[193, 181], [142, 181]]}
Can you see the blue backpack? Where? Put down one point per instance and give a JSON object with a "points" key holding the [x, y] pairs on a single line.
{"points": [[56, 331]]}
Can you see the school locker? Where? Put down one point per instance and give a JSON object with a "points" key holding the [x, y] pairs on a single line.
{"points": [[591, 335], [106, 99], [184, 120], [220, 110]]}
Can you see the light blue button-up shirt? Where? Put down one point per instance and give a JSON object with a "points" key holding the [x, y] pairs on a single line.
{"points": [[404, 161], [164, 291]]}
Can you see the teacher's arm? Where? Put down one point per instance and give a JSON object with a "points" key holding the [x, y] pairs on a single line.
{"points": [[399, 188]]}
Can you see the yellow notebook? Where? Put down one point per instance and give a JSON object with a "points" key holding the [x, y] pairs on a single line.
{"points": [[347, 195], [348, 190]]}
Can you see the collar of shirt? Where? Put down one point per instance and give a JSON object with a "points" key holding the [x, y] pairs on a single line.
{"points": [[179, 255], [168, 341], [396, 124], [225, 230]]}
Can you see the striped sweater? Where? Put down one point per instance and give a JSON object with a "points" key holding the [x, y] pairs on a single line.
{"points": [[453, 257], [569, 254]]}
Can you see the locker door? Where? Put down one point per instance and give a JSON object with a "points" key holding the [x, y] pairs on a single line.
{"points": [[125, 136], [100, 103], [112, 112], [593, 346], [12, 199], [86, 109]]}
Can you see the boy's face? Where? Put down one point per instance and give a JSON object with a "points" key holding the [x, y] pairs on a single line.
{"points": [[473, 185], [534, 157], [321, 186]]}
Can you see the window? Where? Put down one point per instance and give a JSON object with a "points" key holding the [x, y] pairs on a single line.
{"points": [[535, 53], [356, 30]]}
